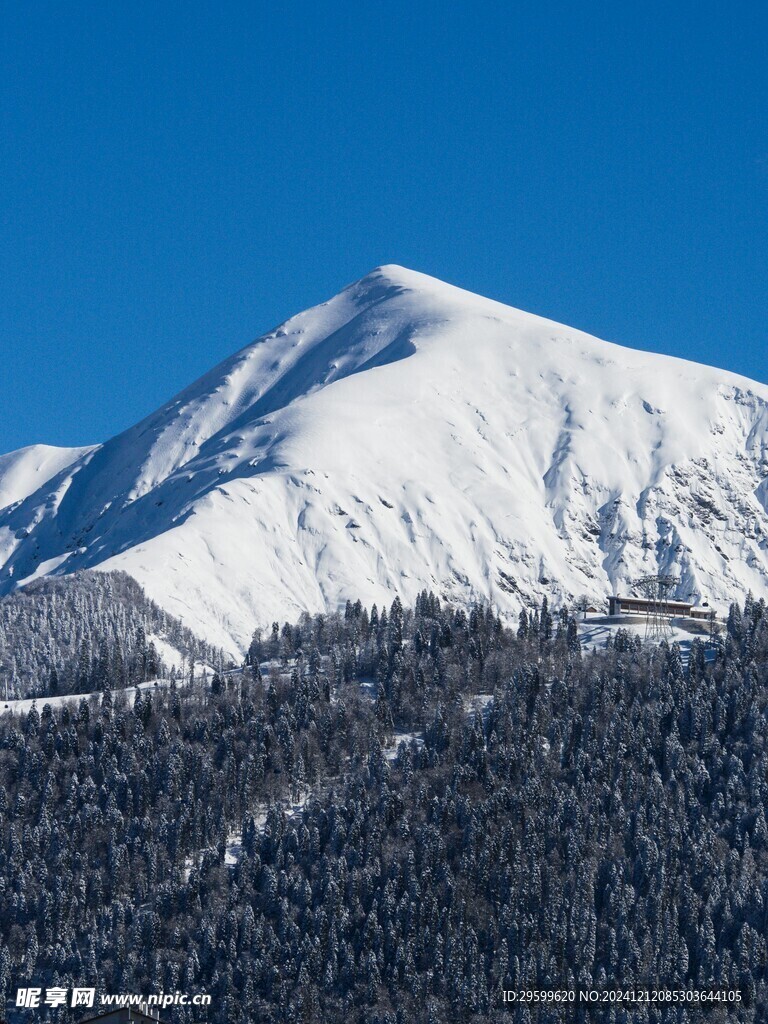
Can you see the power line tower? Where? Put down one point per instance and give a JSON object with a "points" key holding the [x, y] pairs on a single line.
{"points": [[657, 590]]}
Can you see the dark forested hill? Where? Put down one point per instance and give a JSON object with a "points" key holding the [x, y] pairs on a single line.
{"points": [[73, 634], [553, 819]]}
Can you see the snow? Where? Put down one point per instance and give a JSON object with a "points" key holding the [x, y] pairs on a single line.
{"points": [[595, 630], [400, 737], [44, 568], [170, 655], [24, 471], [479, 702], [408, 434], [22, 707]]}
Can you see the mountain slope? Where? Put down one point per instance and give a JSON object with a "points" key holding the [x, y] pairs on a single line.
{"points": [[409, 434], [25, 471]]}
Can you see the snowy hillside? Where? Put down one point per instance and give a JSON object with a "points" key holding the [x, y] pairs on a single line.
{"points": [[28, 469], [408, 434]]}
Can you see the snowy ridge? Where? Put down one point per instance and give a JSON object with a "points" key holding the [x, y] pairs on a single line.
{"points": [[28, 469], [409, 434]]}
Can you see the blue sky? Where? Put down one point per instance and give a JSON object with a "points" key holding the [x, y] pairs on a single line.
{"points": [[176, 179]]}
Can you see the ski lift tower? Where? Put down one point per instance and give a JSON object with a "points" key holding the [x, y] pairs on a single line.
{"points": [[657, 590]]}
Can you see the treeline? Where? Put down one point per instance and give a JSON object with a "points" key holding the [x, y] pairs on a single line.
{"points": [[78, 633], [601, 821]]}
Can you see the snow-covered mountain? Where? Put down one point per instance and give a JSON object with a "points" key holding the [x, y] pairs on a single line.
{"points": [[409, 434]]}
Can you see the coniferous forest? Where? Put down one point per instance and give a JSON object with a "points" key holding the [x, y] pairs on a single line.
{"points": [[81, 632], [392, 815]]}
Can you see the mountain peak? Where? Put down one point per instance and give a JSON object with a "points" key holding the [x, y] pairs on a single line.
{"points": [[393, 279], [409, 434], [390, 280], [393, 273], [427, 292]]}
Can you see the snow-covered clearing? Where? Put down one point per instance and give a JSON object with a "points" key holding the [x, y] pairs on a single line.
{"points": [[594, 632], [23, 706], [399, 739]]}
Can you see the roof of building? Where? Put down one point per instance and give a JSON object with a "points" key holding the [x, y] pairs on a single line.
{"points": [[126, 1014]]}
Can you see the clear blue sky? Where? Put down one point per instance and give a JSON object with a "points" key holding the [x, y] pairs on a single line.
{"points": [[178, 178]]}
